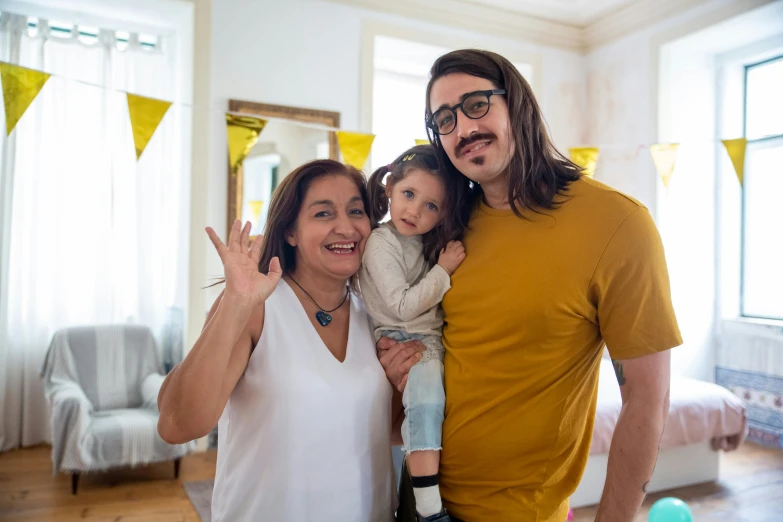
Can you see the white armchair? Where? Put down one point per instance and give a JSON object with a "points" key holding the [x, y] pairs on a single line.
{"points": [[102, 384]]}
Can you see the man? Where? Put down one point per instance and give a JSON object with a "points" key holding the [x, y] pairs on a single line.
{"points": [[558, 264]]}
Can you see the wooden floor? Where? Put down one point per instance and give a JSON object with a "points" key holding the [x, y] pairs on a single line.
{"points": [[29, 492], [750, 490]]}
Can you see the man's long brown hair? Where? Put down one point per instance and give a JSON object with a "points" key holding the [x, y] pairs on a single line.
{"points": [[538, 171]]}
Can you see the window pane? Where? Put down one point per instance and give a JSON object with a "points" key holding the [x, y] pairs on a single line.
{"points": [[401, 72], [764, 100], [397, 114], [60, 29], [88, 34], [763, 230]]}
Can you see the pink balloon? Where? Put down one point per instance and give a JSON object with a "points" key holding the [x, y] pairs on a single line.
{"points": [[570, 514]]}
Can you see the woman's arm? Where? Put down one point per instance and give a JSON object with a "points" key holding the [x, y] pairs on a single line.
{"points": [[397, 359], [211, 313], [194, 394]]}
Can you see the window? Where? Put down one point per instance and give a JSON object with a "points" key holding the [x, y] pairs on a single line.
{"points": [[401, 72], [89, 34], [762, 210]]}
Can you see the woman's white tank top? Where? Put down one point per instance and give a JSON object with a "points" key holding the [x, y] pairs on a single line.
{"points": [[303, 436]]}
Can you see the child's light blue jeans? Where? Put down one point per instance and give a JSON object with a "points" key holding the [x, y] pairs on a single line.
{"points": [[424, 398]]}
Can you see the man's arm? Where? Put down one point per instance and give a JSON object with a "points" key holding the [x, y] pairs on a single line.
{"points": [[644, 386]]}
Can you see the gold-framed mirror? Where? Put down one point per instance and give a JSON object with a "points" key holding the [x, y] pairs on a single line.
{"points": [[281, 147]]}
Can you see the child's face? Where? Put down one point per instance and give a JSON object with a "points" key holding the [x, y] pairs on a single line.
{"points": [[416, 202]]}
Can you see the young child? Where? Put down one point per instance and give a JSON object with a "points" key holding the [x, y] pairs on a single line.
{"points": [[405, 272]]}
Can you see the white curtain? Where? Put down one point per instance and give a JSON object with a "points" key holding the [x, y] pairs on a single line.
{"points": [[89, 235]]}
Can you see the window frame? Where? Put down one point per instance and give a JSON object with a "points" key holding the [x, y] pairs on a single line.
{"points": [[743, 202]]}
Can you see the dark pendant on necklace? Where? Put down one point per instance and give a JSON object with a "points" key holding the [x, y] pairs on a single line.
{"points": [[322, 315], [323, 318]]}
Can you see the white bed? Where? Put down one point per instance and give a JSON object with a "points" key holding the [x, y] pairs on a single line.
{"points": [[704, 418]]}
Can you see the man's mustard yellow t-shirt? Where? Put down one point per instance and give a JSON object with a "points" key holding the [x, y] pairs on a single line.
{"points": [[527, 316]]}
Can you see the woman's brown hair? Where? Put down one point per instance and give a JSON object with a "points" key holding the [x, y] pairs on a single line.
{"points": [[287, 201], [537, 171], [422, 157]]}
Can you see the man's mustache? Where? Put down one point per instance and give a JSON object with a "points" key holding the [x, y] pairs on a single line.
{"points": [[473, 138]]}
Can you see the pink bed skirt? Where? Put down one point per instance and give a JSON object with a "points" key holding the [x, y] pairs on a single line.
{"points": [[699, 411]]}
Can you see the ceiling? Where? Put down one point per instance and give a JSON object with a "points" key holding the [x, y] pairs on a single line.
{"points": [[573, 12], [578, 25]]}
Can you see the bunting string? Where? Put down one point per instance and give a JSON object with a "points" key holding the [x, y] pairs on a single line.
{"points": [[22, 85]]}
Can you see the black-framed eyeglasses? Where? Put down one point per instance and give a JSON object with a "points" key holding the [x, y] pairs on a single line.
{"points": [[474, 105]]}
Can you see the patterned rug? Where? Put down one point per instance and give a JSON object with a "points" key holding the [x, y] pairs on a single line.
{"points": [[200, 495]]}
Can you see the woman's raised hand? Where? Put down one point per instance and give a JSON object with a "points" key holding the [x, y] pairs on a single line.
{"points": [[240, 265]]}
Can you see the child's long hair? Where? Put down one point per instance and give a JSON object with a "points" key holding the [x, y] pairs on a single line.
{"points": [[419, 157]]}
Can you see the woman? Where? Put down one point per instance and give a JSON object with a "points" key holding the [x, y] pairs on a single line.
{"points": [[287, 364]]}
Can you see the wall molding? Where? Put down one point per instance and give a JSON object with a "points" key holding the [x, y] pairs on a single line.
{"points": [[495, 22], [608, 27], [631, 17]]}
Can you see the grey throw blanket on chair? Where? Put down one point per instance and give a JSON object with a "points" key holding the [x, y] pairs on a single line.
{"points": [[102, 384]]}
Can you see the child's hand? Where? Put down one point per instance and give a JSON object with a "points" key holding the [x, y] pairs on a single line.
{"points": [[451, 256]]}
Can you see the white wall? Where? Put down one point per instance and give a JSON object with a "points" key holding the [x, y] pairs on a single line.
{"points": [[308, 53], [686, 210], [659, 85], [622, 85]]}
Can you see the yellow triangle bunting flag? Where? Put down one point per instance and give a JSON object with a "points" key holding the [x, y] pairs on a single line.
{"points": [[585, 157], [255, 209], [243, 132], [145, 116], [20, 87], [355, 147], [736, 149], [422, 142], [664, 156]]}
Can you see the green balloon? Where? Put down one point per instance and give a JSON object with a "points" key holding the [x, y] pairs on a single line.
{"points": [[670, 509]]}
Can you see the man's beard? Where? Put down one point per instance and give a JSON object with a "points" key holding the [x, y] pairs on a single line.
{"points": [[479, 161]]}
